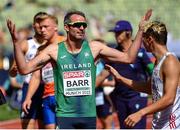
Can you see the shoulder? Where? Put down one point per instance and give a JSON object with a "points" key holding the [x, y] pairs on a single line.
{"points": [[97, 44], [52, 48], [170, 60], [171, 64], [48, 48], [54, 45], [24, 45], [42, 47]]}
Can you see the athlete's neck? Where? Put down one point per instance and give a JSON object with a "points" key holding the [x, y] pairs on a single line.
{"points": [[159, 52], [73, 46], [125, 45], [54, 39]]}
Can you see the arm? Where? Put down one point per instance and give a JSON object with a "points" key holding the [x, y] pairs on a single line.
{"points": [[170, 78], [101, 77], [130, 56], [33, 86], [14, 83], [109, 83], [14, 70], [136, 85], [23, 66]]}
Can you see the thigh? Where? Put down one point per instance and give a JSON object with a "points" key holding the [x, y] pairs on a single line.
{"points": [[49, 110], [35, 111]]}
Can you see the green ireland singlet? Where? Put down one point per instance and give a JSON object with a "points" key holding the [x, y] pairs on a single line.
{"points": [[75, 76]]}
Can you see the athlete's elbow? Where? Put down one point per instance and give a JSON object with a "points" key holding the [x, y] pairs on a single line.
{"points": [[130, 60], [170, 101], [23, 71]]}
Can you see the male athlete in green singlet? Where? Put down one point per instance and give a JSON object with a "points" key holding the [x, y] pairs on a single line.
{"points": [[74, 69], [76, 81]]}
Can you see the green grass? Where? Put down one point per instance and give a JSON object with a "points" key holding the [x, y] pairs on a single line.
{"points": [[6, 113]]}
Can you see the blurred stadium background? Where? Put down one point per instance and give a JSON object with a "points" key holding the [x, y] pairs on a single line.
{"points": [[101, 14]]}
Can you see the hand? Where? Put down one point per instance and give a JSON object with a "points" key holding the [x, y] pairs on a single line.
{"points": [[12, 29], [13, 71], [133, 119], [112, 71], [144, 19], [26, 105]]}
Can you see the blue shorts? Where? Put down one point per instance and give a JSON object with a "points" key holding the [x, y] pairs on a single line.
{"points": [[76, 122], [48, 108], [35, 111]]}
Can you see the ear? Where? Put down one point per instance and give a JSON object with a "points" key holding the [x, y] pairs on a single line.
{"points": [[150, 39], [56, 29], [66, 27], [128, 34], [33, 25]]}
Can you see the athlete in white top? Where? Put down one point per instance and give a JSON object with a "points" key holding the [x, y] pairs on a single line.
{"points": [[29, 48], [164, 84], [32, 46], [168, 118]]}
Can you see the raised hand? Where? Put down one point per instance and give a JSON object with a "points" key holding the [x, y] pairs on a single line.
{"points": [[12, 29], [148, 15], [144, 19]]}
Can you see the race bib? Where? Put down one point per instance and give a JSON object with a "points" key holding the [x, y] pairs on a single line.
{"points": [[77, 83]]}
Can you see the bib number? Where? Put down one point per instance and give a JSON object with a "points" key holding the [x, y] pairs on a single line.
{"points": [[77, 83]]}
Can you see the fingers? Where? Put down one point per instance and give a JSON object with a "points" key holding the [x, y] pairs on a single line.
{"points": [[26, 107], [129, 123], [148, 15], [9, 24], [144, 19], [12, 29], [111, 70], [108, 67]]}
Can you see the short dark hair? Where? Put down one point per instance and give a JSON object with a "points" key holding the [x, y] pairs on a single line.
{"points": [[70, 13], [157, 30]]}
